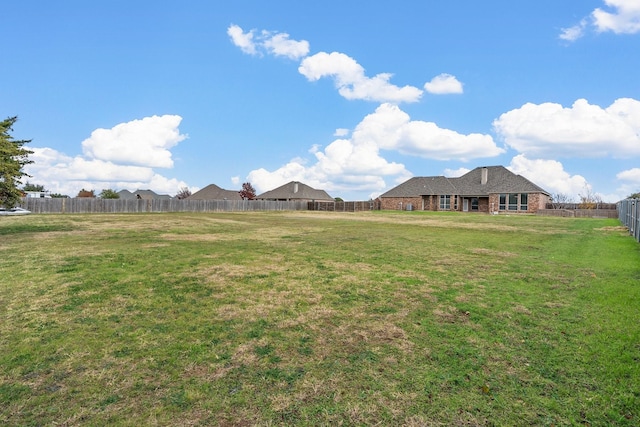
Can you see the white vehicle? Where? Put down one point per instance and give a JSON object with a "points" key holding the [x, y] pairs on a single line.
{"points": [[14, 211], [38, 194]]}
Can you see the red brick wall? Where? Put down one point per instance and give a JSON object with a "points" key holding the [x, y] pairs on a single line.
{"points": [[538, 201], [400, 203], [485, 204], [535, 201], [429, 203]]}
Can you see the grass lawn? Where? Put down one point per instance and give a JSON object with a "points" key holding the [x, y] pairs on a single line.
{"points": [[303, 318]]}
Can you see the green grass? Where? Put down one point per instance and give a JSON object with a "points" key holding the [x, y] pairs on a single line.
{"points": [[301, 318]]}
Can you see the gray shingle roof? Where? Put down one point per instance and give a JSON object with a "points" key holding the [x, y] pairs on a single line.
{"points": [[144, 194], [126, 194], [295, 191], [499, 180], [213, 192], [422, 186]]}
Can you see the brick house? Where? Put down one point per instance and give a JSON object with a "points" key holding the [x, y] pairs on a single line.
{"points": [[489, 189]]}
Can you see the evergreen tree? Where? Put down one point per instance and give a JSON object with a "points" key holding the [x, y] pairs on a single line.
{"points": [[109, 194], [33, 187], [13, 157]]}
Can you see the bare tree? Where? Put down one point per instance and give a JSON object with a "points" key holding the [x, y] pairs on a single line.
{"points": [[589, 199], [183, 193], [560, 200]]}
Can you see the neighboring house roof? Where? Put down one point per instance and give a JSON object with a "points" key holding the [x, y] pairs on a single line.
{"points": [[144, 194], [213, 192], [126, 194], [295, 190], [498, 180]]}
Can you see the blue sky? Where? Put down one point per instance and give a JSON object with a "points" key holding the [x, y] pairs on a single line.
{"points": [[349, 97]]}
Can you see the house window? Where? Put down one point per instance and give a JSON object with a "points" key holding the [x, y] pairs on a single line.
{"points": [[524, 202], [474, 203], [445, 203], [513, 201], [503, 202]]}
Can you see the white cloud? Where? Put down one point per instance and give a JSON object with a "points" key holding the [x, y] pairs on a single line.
{"points": [[455, 173], [341, 132], [263, 180], [323, 176], [631, 175], [122, 157], [344, 165], [574, 33], [352, 83], [356, 163], [139, 142], [243, 40], [624, 20], [630, 183], [550, 175], [582, 130], [443, 84], [349, 76], [162, 185], [50, 165], [390, 128], [278, 44]]}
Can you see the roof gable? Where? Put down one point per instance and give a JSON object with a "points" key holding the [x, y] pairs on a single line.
{"points": [[295, 190], [213, 192]]}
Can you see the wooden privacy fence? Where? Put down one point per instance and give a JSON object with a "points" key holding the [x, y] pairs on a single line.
{"points": [[584, 205], [96, 205], [579, 213], [344, 206], [629, 215]]}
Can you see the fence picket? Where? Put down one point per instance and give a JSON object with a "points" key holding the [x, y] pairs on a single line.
{"points": [[629, 215]]}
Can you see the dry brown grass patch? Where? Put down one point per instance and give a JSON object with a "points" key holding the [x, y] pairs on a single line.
{"points": [[450, 314], [492, 253], [519, 308], [619, 228]]}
